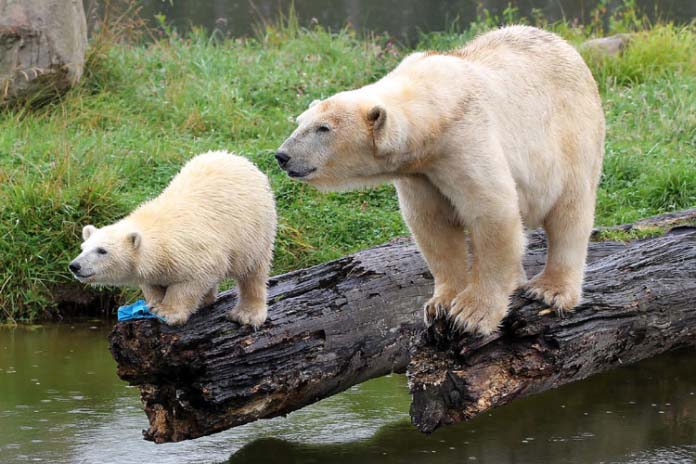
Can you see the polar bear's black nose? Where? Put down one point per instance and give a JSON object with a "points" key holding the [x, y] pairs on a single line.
{"points": [[282, 158], [74, 267]]}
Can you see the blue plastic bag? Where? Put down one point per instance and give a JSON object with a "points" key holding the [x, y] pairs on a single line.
{"points": [[137, 310]]}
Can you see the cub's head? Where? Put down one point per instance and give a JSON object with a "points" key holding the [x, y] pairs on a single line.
{"points": [[108, 255], [341, 142]]}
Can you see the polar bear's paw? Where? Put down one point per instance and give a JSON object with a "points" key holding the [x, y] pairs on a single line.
{"points": [[438, 305], [170, 315], [253, 315], [476, 312], [560, 295]]}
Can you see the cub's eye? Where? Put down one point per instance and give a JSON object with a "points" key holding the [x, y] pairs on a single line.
{"points": [[323, 128], [101, 251]]}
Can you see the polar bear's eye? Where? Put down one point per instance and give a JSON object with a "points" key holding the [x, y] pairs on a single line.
{"points": [[323, 128], [101, 251]]}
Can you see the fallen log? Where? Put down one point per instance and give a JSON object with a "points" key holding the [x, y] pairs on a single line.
{"points": [[338, 324], [637, 303]]}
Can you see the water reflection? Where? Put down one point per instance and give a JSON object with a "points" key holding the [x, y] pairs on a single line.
{"points": [[400, 18], [644, 413], [61, 402], [55, 383]]}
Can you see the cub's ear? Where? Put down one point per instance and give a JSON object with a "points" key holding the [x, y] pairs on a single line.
{"points": [[87, 231], [377, 116], [314, 103], [135, 239]]}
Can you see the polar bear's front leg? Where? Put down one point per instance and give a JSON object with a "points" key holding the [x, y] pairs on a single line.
{"points": [[440, 238], [154, 294], [483, 193], [180, 301], [251, 307], [497, 245]]}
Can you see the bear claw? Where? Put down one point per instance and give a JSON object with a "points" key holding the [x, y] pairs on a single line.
{"points": [[562, 298], [171, 317], [473, 313], [174, 319], [437, 306], [248, 316]]}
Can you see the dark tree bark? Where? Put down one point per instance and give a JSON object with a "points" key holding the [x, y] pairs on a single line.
{"points": [[330, 327], [338, 324], [637, 303]]}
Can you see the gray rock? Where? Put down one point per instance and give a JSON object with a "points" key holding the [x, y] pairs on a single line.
{"points": [[610, 46], [42, 48]]}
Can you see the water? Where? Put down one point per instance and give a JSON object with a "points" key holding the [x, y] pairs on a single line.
{"points": [[402, 19], [61, 402]]}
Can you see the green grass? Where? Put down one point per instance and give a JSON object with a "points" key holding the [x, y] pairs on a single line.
{"points": [[143, 110], [634, 233]]}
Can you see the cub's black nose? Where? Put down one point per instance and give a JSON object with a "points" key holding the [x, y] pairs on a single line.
{"points": [[74, 267], [282, 158]]}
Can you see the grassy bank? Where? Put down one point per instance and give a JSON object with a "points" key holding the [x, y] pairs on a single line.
{"points": [[143, 110]]}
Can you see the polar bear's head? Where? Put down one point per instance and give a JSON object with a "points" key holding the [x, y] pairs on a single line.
{"points": [[108, 255], [343, 142]]}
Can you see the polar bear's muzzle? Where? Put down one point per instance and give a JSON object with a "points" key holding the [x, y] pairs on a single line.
{"points": [[78, 271], [300, 174], [285, 163]]}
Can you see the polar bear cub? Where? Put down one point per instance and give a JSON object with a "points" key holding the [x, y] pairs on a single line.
{"points": [[215, 220], [504, 133]]}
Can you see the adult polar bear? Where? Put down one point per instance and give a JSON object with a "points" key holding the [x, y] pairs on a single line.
{"points": [[505, 133]]}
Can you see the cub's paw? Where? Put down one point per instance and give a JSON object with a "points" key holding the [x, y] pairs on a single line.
{"points": [[437, 306], [476, 312], [254, 316], [170, 315], [560, 295]]}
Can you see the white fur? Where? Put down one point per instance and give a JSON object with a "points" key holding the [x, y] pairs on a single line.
{"points": [[505, 133], [216, 219]]}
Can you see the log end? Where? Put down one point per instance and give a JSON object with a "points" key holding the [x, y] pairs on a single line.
{"points": [[453, 376], [155, 357]]}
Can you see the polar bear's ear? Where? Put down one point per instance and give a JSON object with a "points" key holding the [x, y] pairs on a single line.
{"points": [[377, 116], [135, 239], [87, 231], [314, 103]]}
